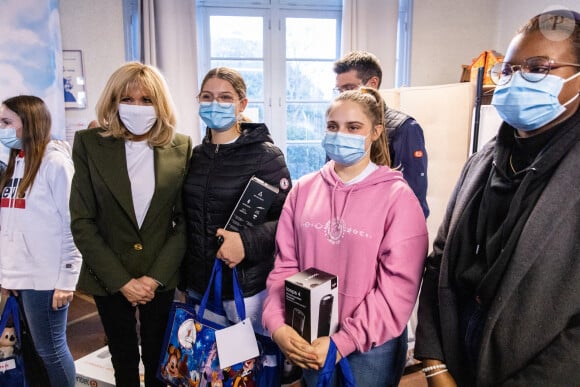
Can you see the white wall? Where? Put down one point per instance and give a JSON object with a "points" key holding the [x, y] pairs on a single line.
{"points": [[448, 34], [379, 18], [513, 14], [95, 28]]}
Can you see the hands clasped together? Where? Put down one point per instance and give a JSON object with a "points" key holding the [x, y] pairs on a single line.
{"points": [[139, 291], [299, 351]]}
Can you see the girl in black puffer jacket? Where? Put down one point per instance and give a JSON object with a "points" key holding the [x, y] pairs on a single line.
{"points": [[231, 153]]}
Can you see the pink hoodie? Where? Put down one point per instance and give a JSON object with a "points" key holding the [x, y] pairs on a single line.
{"points": [[371, 234]]}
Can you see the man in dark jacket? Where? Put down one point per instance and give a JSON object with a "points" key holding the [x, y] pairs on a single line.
{"points": [[405, 135]]}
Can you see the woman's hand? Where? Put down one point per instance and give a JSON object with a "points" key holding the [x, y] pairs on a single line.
{"points": [[320, 346], [149, 283], [442, 379], [7, 293], [61, 298], [295, 348], [136, 292], [231, 250]]}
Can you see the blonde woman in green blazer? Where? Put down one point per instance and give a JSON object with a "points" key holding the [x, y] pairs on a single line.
{"points": [[127, 217]]}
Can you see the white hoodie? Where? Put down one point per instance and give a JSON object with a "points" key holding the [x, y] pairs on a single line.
{"points": [[36, 245]]}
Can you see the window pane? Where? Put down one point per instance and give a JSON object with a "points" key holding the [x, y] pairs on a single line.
{"points": [[253, 73], [305, 128], [310, 38], [305, 158], [236, 37], [309, 81], [306, 122], [255, 112]]}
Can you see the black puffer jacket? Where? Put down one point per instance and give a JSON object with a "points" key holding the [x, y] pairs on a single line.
{"points": [[217, 177]]}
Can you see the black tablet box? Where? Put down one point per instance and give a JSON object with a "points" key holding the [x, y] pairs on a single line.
{"points": [[253, 205]]}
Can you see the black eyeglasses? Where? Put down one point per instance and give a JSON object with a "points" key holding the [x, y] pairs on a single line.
{"points": [[533, 69]]}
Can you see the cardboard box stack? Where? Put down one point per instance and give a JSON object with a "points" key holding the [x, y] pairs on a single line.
{"points": [[96, 370]]}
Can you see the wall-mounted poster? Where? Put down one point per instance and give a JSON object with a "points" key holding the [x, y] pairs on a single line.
{"points": [[73, 80], [31, 57]]}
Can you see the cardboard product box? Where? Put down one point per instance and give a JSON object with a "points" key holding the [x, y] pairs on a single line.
{"points": [[486, 60], [96, 370], [311, 303]]}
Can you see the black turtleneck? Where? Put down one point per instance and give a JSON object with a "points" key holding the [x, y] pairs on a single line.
{"points": [[491, 219], [491, 224]]}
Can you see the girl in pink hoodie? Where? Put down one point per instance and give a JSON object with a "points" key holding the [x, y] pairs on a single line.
{"points": [[358, 219]]}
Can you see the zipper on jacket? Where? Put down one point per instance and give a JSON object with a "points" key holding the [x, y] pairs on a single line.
{"points": [[217, 148]]}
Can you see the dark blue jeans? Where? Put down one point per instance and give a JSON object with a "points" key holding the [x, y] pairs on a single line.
{"points": [[381, 366], [48, 331], [120, 324]]}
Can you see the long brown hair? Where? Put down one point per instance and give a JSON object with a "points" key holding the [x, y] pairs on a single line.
{"points": [[36, 123], [373, 107]]}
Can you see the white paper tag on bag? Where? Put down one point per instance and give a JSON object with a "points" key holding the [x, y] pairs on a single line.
{"points": [[236, 344]]}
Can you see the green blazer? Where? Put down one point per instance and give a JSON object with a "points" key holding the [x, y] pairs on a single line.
{"points": [[103, 221]]}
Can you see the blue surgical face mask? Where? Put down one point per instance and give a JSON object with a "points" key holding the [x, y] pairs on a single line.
{"points": [[343, 148], [530, 105], [9, 139], [218, 116]]}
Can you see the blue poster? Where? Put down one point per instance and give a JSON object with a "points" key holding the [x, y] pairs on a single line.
{"points": [[31, 56]]}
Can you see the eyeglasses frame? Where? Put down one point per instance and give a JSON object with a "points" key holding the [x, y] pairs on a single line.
{"points": [[552, 64]]}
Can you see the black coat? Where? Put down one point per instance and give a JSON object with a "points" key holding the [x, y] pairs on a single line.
{"points": [[217, 177], [531, 336]]}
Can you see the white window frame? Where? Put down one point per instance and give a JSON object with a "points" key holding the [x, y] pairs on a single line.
{"points": [[404, 35], [274, 13]]}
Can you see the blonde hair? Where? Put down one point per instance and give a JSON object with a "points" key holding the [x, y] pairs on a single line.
{"points": [[36, 123], [135, 76], [373, 106]]}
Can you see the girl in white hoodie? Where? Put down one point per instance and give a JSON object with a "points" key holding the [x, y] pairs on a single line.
{"points": [[39, 262]]}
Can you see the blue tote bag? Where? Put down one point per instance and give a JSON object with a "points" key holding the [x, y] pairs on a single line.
{"points": [[11, 361], [189, 355]]}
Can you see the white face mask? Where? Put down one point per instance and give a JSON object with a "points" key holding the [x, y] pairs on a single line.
{"points": [[138, 119]]}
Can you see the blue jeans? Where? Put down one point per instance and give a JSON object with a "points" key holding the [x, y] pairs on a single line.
{"points": [[381, 366], [48, 331]]}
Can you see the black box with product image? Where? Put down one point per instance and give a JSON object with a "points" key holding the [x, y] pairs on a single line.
{"points": [[311, 303], [253, 205]]}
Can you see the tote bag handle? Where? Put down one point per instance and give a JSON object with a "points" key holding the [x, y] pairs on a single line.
{"points": [[11, 309], [215, 281], [345, 376]]}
